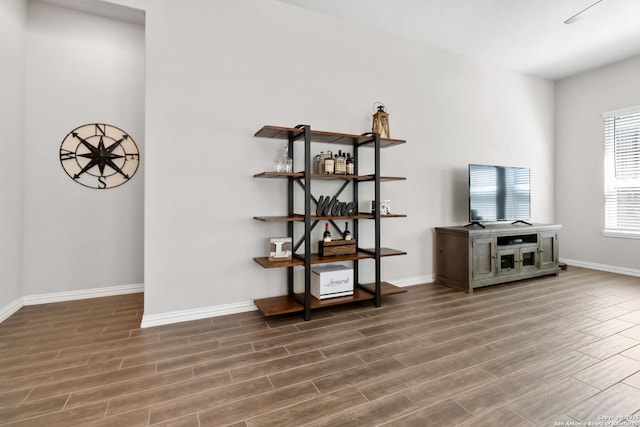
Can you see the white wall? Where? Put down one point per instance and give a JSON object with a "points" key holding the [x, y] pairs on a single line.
{"points": [[217, 71], [580, 102], [13, 14], [81, 68]]}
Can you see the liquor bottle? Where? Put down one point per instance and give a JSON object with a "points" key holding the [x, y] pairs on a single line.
{"points": [[341, 163], [347, 234], [317, 165], [350, 165], [323, 157], [326, 237], [329, 164]]}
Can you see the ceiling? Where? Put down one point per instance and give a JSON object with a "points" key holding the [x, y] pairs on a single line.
{"points": [[103, 8], [528, 36]]}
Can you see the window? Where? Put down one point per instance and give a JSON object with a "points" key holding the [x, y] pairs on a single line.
{"points": [[622, 172]]}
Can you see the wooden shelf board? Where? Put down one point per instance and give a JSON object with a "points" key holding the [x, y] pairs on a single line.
{"points": [[358, 295], [361, 178], [363, 215], [342, 177], [286, 304], [278, 218], [386, 288], [279, 175], [279, 132], [300, 218], [317, 259], [278, 305], [392, 178], [265, 263], [337, 217], [384, 252]]}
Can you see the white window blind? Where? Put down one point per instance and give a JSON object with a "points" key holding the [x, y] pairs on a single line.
{"points": [[622, 170]]}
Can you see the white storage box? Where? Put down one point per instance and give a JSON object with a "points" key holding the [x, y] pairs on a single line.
{"points": [[330, 281]]}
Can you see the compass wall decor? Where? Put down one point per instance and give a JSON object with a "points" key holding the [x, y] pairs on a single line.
{"points": [[99, 156]]}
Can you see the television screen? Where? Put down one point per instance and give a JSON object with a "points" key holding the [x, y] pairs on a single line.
{"points": [[499, 193]]}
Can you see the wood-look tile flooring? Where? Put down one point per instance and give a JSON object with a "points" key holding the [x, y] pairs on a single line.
{"points": [[538, 352]]}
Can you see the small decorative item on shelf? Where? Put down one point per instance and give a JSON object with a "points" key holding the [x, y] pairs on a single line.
{"points": [[331, 206], [380, 123], [280, 249], [285, 163], [385, 207], [336, 247], [330, 281]]}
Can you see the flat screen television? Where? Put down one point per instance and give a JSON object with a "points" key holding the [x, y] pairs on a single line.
{"points": [[499, 193]]}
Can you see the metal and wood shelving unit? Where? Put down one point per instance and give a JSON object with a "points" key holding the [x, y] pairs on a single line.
{"points": [[304, 302]]}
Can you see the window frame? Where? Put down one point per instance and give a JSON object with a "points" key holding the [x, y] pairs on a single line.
{"points": [[609, 171]]}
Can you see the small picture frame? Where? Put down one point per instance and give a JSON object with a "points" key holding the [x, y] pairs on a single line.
{"points": [[280, 248], [385, 207]]}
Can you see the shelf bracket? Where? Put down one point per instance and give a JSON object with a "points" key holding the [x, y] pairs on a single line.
{"points": [[302, 239], [378, 297], [307, 222]]}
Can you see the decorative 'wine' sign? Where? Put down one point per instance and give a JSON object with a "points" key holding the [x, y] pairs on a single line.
{"points": [[331, 206]]}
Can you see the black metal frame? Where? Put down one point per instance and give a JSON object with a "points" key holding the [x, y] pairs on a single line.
{"points": [[308, 225]]}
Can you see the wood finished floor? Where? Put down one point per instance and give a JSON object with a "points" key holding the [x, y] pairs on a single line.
{"points": [[537, 352]]}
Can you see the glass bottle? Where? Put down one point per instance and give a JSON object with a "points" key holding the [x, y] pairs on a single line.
{"points": [[341, 163], [323, 157], [326, 237], [329, 164], [350, 165], [285, 163], [347, 234], [317, 162]]}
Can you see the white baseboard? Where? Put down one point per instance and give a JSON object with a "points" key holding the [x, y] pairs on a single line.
{"points": [[7, 311], [411, 281], [82, 294], [10, 309], [602, 267], [149, 320]]}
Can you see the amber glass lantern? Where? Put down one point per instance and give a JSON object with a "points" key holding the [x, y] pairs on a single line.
{"points": [[380, 123]]}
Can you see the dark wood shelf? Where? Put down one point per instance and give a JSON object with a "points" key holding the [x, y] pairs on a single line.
{"points": [[317, 259], [278, 132], [343, 177], [371, 216], [287, 304], [300, 218], [279, 218], [279, 175], [386, 288], [384, 252], [362, 178]]}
